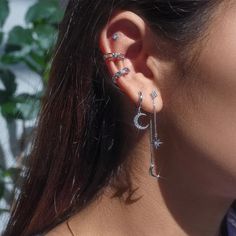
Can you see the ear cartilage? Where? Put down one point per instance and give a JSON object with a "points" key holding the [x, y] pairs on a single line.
{"points": [[115, 36], [120, 73]]}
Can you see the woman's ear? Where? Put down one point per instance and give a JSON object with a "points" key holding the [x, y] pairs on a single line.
{"points": [[128, 33]]}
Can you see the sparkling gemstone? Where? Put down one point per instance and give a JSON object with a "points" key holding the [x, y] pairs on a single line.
{"points": [[157, 143]]}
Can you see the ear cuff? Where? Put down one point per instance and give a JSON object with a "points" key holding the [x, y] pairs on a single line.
{"points": [[113, 56], [120, 73]]}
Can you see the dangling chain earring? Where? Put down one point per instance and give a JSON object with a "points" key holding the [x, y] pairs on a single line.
{"points": [[154, 140]]}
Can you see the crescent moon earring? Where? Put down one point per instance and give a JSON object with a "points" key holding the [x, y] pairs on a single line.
{"points": [[140, 114]]}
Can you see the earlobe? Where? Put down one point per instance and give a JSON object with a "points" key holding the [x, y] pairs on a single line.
{"points": [[124, 44]]}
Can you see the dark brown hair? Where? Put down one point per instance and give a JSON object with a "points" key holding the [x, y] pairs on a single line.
{"points": [[76, 149]]}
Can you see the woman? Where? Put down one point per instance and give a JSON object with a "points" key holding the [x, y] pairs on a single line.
{"points": [[136, 134]]}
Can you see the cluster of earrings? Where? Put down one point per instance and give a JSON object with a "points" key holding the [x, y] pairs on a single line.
{"points": [[154, 140]]}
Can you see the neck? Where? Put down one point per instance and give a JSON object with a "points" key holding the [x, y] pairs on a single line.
{"points": [[187, 200]]}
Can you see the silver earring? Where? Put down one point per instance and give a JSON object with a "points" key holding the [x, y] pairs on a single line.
{"points": [[154, 140], [113, 56], [136, 118], [115, 36], [120, 73]]}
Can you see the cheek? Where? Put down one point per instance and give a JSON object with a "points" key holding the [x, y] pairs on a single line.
{"points": [[216, 73], [208, 118]]}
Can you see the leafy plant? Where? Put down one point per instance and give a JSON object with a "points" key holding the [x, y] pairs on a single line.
{"points": [[30, 46]]}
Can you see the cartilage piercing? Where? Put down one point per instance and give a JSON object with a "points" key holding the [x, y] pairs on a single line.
{"points": [[113, 56], [139, 114], [115, 36], [120, 73]]}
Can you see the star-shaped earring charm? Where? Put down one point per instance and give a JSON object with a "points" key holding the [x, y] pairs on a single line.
{"points": [[156, 143]]}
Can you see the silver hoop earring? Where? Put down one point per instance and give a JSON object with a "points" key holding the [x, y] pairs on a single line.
{"points": [[120, 73], [136, 118], [154, 140], [113, 56]]}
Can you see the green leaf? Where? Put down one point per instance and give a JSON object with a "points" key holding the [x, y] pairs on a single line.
{"points": [[24, 97], [4, 96], [29, 108], [19, 37], [2, 188], [23, 107], [4, 210], [12, 172], [2, 184], [11, 58], [17, 56], [8, 80], [46, 36], [9, 111], [1, 36], [1, 173], [35, 61], [44, 12], [4, 12]]}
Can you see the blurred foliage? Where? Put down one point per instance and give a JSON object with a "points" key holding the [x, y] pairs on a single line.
{"points": [[30, 46]]}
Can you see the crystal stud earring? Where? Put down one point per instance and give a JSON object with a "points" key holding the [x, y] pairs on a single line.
{"points": [[115, 36]]}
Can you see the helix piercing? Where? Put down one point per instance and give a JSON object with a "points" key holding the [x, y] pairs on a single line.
{"points": [[113, 56], [139, 114], [120, 73], [115, 36]]}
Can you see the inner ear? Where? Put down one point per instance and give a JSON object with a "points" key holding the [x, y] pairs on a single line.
{"points": [[128, 30], [125, 26]]}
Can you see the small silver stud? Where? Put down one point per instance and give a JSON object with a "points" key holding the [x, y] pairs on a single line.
{"points": [[115, 36]]}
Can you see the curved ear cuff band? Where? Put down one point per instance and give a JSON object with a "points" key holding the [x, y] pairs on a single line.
{"points": [[120, 73], [113, 56]]}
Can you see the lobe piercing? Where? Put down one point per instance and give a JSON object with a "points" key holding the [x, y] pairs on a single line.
{"points": [[156, 141], [136, 118]]}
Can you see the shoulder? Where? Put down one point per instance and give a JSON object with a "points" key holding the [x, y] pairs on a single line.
{"points": [[77, 225], [60, 230]]}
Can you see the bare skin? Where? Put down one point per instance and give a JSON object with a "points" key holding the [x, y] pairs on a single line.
{"points": [[196, 123]]}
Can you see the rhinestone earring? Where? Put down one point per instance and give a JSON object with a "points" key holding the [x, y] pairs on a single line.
{"points": [[120, 73], [154, 140], [139, 114], [115, 36], [113, 56]]}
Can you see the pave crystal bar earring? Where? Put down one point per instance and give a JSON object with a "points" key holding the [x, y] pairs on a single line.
{"points": [[154, 140], [120, 73], [139, 114], [113, 56]]}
